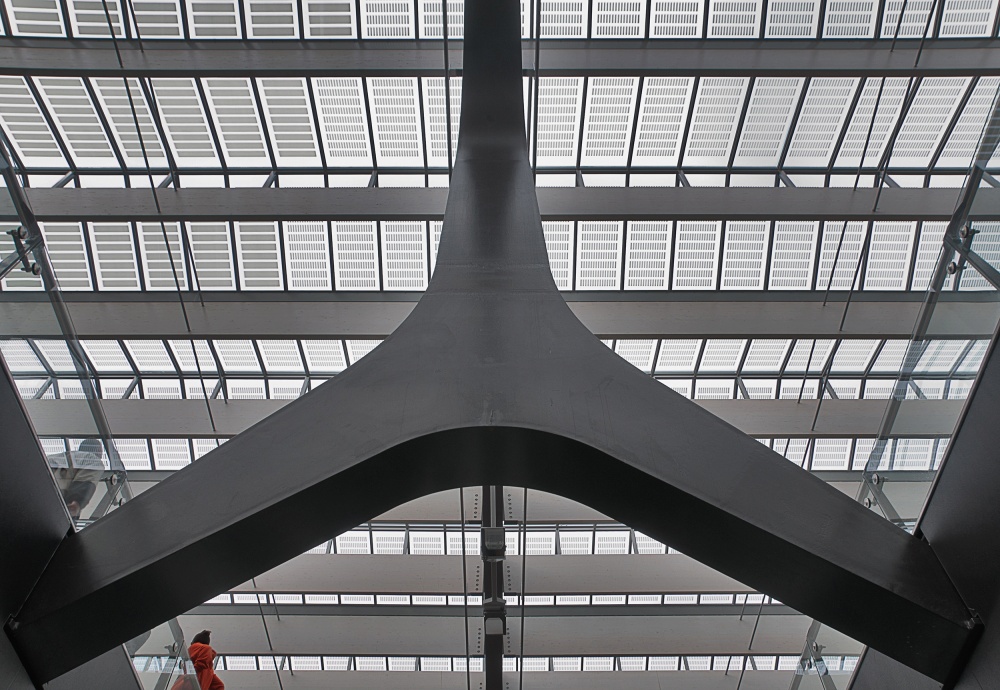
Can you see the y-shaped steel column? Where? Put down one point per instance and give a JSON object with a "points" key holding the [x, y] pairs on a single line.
{"points": [[492, 380]]}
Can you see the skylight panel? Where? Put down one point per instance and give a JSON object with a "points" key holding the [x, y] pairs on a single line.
{"points": [[608, 123], [171, 453], [185, 122], [766, 355], [745, 255], [914, 20], [559, 239], [404, 255], [200, 389], [16, 281], [676, 18], [343, 119], [284, 389], [330, 19], [385, 19], [846, 389], [793, 389], [678, 356], [940, 356], [395, 108], [986, 243], [24, 122], [792, 19], [36, 17], [20, 358], [106, 356], [850, 19], [237, 355], [974, 358], [259, 255], [157, 18], [436, 226], [246, 389], [213, 256], [716, 116], [355, 255], [272, 18], [885, 119], [967, 19], [831, 454], [681, 386], [964, 139], [721, 355], [792, 255], [233, 106], [161, 264], [932, 110], [89, 18], [68, 252], [599, 255], [324, 356], [161, 389], [809, 355], [928, 249], [696, 256], [559, 106], [662, 115], [863, 448], [280, 356], [289, 121], [149, 355], [73, 113], [214, 19], [890, 358], [115, 102], [618, 19], [760, 389], [768, 118], [889, 255], [849, 236], [714, 389], [430, 19], [854, 355], [647, 255], [734, 18], [436, 118], [134, 453], [307, 255], [820, 121], [561, 19], [202, 446], [426, 543], [912, 453], [638, 353], [356, 349]]}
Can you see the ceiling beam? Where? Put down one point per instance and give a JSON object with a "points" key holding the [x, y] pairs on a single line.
{"points": [[765, 58]]}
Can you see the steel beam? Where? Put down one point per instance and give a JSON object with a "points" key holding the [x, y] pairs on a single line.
{"points": [[765, 58], [70, 204], [492, 380]]}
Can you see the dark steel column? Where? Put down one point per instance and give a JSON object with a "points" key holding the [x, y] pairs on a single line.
{"points": [[493, 548], [492, 381]]}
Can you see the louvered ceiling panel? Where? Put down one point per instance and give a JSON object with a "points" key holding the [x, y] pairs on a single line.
{"points": [[647, 255], [237, 356], [857, 137], [157, 18], [162, 260], [114, 99], [25, 124], [932, 110], [185, 356], [325, 19], [564, 18], [768, 118], [608, 124], [986, 243], [395, 107], [36, 17], [734, 18], [964, 140], [214, 19], [357, 349], [280, 356], [676, 18], [792, 255], [435, 230], [638, 353], [289, 121], [559, 238], [820, 121], [792, 18], [766, 355], [745, 255], [324, 356], [716, 116], [559, 106], [184, 119], [662, 115], [404, 255], [850, 19], [259, 256], [928, 248], [430, 19], [618, 19], [721, 355], [889, 255], [387, 19], [68, 252], [355, 256], [436, 118], [599, 253], [307, 255], [234, 110], [76, 119], [678, 356], [213, 256], [967, 18], [914, 18], [848, 237], [272, 18], [114, 256], [89, 19], [340, 103], [696, 255]]}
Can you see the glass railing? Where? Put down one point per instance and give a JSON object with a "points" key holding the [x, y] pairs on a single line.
{"points": [[161, 659]]}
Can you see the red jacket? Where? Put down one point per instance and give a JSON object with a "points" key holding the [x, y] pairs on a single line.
{"points": [[202, 656]]}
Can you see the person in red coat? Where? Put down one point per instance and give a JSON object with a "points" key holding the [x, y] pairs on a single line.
{"points": [[203, 658]]}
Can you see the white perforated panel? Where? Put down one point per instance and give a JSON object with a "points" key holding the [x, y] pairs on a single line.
{"points": [[889, 255], [792, 19], [289, 120], [831, 454], [235, 112], [36, 17], [396, 120], [213, 19], [213, 255], [850, 249], [280, 355], [792, 255], [237, 355], [115, 102], [355, 256], [638, 353], [967, 18], [854, 355], [964, 140], [170, 453], [885, 119], [157, 18], [820, 121], [676, 18], [913, 21], [768, 118], [559, 240], [340, 103], [436, 226], [564, 18], [430, 18], [76, 119], [662, 115], [734, 18], [696, 255], [184, 119], [760, 389], [850, 19], [19, 357], [647, 255], [716, 115], [356, 349], [185, 356], [259, 256], [149, 355], [161, 389], [324, 356], [714, 389], [608, 124], [325, 19], [928, 249], [272, 18], [721, 355], [928, 118], [387, 19], [114, 256], [106, 356], [678, 356], [559, 108], [809, 353], [89, 19], [766, 355], [404, 255], [307, 255], [25, 124], [745, 255], [162, 261], [986, 243], [599, 255], [436, 118], [619, 19]]}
